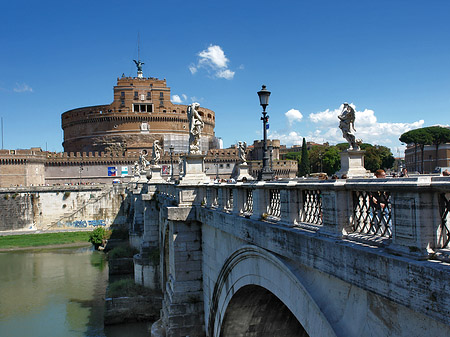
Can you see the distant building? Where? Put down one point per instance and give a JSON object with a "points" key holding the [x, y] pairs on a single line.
{"points": [[429, 158], [140, 113]]}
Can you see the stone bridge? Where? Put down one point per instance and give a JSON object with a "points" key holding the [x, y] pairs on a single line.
{"points": [[300, 258]]}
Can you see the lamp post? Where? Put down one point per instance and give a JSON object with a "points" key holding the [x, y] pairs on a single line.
{"points": [[171, 161], [266, 172], [270, 147]]}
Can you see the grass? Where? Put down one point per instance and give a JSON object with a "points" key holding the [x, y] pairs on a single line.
{"points": [[127, 288], [47, 239]]}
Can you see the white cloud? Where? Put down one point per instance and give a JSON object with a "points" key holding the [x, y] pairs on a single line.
{"points": [[213, 56], [293, 115], [192, 69], [324, 127], [227, 74], [184, 97], [22, 87], [214, 61], [176, 99]]}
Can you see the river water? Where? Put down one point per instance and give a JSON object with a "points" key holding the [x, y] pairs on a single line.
{"points": [[56, 293]]}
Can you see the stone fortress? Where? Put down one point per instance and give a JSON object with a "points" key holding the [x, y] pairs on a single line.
{"points": [[102, 142]]}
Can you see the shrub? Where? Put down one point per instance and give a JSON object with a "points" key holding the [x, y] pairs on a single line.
{"points": [[126, 287], [97, 236], [66, 195], [122, 251]]}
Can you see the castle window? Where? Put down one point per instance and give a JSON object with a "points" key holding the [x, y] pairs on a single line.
{"points": [[161, 103], [149, 95], [122, 94], [161, 95], [122, 102], [135, 95], [209, 115]]}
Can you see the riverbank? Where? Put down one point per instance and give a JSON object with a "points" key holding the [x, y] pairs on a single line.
{"points": [[44, 240]]}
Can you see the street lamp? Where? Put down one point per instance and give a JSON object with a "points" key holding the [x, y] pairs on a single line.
{"points": [[270, 147], [171, 161], [266, 173]]}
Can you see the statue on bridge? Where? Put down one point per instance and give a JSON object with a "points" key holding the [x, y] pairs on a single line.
{"points": [[347, 126], [196, 125], [242, 148], [156, 153]]}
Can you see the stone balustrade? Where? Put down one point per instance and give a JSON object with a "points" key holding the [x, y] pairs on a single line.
{"points": [[407, 215]]}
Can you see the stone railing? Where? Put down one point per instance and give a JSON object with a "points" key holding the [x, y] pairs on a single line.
{"points": [[408, 215]]}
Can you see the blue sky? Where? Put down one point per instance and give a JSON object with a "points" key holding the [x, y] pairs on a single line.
{"points": [[390, 59]]}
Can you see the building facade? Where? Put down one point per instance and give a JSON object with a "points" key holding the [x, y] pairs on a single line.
{"points": [[140, 114], [432, 159]]}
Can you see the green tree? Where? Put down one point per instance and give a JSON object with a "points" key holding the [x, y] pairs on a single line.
{"points": [[315, 155], [331, 160], [418, 137], [294, 156], [372, 160], [439, 135], [304, 168]]}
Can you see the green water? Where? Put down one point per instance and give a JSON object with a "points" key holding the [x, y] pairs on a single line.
{"points": [[56, 293]]}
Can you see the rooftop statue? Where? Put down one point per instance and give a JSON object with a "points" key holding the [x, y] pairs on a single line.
{"points": [[242, 147], [156, 153], [347, 125], [196, 125], [139, 65]]}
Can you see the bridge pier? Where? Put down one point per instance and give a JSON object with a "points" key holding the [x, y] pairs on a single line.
{"points": [[182, 311]]}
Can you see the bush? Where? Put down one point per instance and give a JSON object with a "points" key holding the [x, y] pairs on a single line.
{"points": [[97, 236], [66, 195], [126, 288], [122, 251]]}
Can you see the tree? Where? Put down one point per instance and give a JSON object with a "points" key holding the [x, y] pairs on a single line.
{"points": [[304, 168], [315, 155], [294, 156], [439, 135], [331, 160], [418, 137]]}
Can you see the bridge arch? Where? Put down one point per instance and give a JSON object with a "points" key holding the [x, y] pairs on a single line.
{"points": [[251, 271]]}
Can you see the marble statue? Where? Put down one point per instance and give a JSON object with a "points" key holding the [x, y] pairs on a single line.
{"points": [[347, 126], [143, 162], [196, 125], [139, 65], [180, 166], [156, 153], [242, 147]]}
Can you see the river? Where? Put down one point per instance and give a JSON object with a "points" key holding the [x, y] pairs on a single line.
{"points": [[56, 293]]}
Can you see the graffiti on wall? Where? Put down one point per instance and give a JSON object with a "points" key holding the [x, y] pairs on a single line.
{"points": [[82, 223]]}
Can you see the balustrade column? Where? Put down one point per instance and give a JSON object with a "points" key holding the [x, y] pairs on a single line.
{"points": [[260, 201], [336, 209], [222, 198], [416, 220], [289, 206], [238, 200]]}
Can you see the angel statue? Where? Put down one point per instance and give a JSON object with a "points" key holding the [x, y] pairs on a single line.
{"points": [[143, 162], [347, 125], [196, 125], [139, 65], [156, 153], [242, 148]]}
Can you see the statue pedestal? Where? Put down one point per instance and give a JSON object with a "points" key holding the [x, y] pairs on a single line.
{"points": [[242, 172], [156, 174], [352, 164], [193, 170], [142, 177]]}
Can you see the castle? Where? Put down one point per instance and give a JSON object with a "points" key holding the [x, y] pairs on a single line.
{"points": [[102, 142]]}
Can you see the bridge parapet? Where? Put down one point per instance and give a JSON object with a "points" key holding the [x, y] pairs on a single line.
{"points": [[409, 215]]}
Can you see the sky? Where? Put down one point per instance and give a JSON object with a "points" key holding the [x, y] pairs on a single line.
{"points": [[389, 59]]}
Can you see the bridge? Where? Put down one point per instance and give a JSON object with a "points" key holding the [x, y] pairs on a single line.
{"points": [[357, 257]]}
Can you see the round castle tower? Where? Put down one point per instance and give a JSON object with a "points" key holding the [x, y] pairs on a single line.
{"points": [[140, 113]]}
